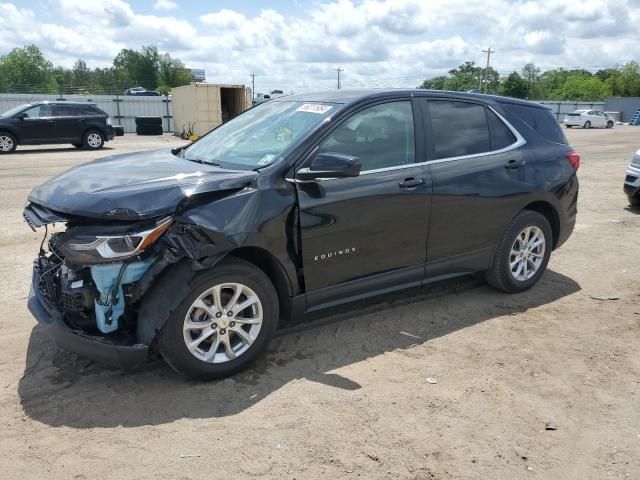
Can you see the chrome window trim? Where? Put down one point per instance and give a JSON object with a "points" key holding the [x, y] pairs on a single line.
{"points": [[520, 141]]}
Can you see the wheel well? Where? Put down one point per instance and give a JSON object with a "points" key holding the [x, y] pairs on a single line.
{"points": [[266, 262], [13, 134], [550, 214]]}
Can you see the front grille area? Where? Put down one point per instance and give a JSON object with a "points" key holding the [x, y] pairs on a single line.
{"points": [[630, 179]]}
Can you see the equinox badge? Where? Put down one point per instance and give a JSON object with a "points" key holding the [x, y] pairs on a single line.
{"points": [[336, 253]]}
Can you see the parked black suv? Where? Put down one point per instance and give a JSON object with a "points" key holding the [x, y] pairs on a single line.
{"points": [[82, 124], [298, 204]]}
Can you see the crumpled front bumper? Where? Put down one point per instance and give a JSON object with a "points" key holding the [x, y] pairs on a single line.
{"points": [[92, 347]]}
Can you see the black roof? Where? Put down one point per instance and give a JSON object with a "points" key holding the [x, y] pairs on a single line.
{"points": [[353, 96]]}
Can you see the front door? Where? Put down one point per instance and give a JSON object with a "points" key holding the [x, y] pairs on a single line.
{"points": [[37, 126], [353, 229]]}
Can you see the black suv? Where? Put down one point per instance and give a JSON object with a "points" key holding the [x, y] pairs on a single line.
{"points": [[82, 124], [300, 203]]}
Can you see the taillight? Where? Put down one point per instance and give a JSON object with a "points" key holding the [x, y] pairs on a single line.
{"points": [[574, 159]]}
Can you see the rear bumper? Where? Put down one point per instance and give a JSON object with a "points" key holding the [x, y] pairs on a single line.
{"points": [[94, 348], [111, 132]]}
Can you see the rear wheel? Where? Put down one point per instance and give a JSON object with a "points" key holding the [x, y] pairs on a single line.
{"points": [[8, 142], [522, 255], [587, 124], [225, 322], [93, 140]]}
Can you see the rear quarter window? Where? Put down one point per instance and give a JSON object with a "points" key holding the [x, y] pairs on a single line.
{"points": [[541, 120]]}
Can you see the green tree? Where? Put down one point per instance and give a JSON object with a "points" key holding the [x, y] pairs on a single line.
{"points": [[435, 83], [26, 69], [172, 73], [580, 87], [515, 86], [137, 68]]}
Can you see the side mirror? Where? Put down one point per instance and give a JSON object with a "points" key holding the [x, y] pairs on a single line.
{"points": [[330, 165], [21, 116]]}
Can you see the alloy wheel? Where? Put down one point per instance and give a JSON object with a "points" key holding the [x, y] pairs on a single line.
{"points": [[527, 253], [222, 323], [6, 143], [94, 140]]}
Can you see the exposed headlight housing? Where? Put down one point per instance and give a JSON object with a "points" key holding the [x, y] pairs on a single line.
{"points": [[104, 248]]}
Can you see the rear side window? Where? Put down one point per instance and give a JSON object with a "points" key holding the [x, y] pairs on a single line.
{"points": [[65, 111], [459, 128], [541, 120], [501, 136]]}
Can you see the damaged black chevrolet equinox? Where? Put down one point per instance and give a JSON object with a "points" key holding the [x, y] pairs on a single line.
{"points": [[304, 202]]}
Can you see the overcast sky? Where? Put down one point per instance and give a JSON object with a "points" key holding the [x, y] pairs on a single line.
{"points": [[295, 45]]}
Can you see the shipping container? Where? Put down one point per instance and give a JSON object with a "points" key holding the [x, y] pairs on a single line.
{"points": [[201, 107]]}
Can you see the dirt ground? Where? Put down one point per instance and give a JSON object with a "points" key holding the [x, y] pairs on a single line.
{"points": [[348, 397]]}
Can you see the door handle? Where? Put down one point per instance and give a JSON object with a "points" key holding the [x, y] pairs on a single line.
{"points": [[411, 182], [514, 164]]}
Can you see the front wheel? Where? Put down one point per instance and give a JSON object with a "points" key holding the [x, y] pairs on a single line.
{"points": [[609, 124], [7, 142], [225, 322], [93, 140], [587, 124], [634, 201], [523, 253]]}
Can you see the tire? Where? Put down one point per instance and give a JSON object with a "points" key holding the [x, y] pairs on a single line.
{"points": [[93, 140], [8, 143], [634, 201], [500, 274], [587, 124], [609, 124], [568, 126], [148, 121], [149, 130], [78, 145], [173, 338]]}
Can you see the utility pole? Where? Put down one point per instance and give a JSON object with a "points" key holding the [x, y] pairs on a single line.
{"points": [[253, 87], [338, 70], [486, 70]]}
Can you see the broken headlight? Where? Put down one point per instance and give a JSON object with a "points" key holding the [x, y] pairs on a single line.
{"points": [[101, 248]]}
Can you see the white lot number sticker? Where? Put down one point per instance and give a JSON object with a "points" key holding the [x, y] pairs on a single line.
{"points": [[313, 108]]}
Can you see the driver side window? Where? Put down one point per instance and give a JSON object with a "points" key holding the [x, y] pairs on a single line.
{"points": [[381, 136], [40, 111]]}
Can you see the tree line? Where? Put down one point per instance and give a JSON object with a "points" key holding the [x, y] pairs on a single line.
{"points": [[532, 83], [26, 70]]}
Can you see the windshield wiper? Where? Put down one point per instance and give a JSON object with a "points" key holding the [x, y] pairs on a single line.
{"points": [[202, 161]]}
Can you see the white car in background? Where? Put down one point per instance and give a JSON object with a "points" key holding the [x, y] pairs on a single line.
{"points": [[588, 119]]}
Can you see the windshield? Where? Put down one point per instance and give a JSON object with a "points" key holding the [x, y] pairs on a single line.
{"points": [[14, 110], [258, 136]]}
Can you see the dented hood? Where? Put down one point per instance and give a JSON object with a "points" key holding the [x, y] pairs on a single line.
{"points": [[134, 186]]}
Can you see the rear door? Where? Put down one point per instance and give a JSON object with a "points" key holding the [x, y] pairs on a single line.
{"points": [[38, 126], [70, 122], [368, 232], [477, 170]]}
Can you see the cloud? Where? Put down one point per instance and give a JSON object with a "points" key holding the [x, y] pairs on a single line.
{"points": [[165, 5], [377, 42]]}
